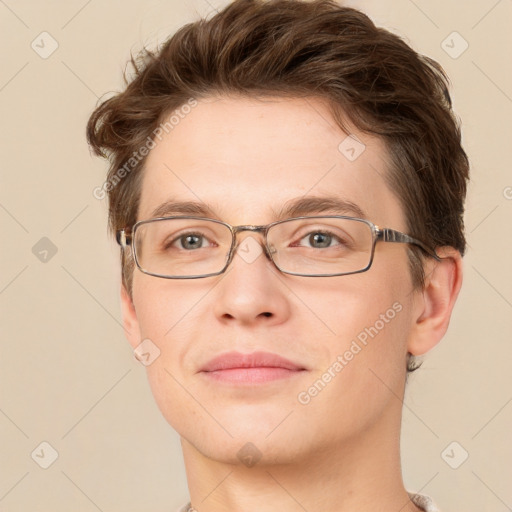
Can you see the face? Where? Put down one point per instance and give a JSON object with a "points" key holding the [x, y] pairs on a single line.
{"points": [[246, 159]]}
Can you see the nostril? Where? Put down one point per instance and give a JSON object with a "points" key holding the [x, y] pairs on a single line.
{"points": [[267, 314]]}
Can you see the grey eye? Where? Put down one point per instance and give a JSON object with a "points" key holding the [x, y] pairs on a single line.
{"points": [[191, 241], [320, 240]]}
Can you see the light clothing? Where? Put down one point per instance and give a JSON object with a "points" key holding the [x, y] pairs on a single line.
{"points": [[424, 502]]}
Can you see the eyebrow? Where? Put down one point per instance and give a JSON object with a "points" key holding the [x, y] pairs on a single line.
{"points": [[319, 204], [172, 207], [299, 207]]}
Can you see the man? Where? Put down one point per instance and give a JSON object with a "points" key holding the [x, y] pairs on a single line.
{"points": [[287, 186]]}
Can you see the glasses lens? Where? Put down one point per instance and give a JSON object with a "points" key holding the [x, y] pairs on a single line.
{"points": [[182, 247], [321, 245]]}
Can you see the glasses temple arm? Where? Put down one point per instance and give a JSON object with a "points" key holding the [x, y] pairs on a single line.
{"points": [[123, 238], [391, 235]]}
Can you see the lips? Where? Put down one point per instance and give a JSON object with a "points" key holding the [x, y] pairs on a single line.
{"points": [[234, 368], [234, 360]]}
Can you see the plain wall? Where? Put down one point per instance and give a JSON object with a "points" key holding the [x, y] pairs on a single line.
{"points": [[67, 374]]}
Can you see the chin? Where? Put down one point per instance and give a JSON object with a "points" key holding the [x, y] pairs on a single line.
{"points": [[245, 451]]}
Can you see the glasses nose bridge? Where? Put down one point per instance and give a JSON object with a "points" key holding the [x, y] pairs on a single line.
{"points": [[252, 228]]}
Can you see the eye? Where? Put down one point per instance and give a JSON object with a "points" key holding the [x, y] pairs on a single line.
{"points": [[189, 241], [320, 240]]}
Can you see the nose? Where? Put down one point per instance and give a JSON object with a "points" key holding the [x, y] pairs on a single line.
{"points": [[251, 292]]}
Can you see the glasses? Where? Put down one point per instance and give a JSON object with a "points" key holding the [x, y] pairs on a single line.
{"points": [[321, 246]]}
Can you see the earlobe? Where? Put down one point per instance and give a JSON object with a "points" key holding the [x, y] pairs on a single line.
{"points": [[435, 303], [130, 321]]}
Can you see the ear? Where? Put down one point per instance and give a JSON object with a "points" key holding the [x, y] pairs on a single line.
{"points": [[435, 301], [130, 321]]}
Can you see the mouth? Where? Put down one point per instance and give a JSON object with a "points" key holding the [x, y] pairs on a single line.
{"points": [[255, 368]]}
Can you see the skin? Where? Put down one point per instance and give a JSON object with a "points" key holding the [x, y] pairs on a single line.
{"points": [[246, 157]]}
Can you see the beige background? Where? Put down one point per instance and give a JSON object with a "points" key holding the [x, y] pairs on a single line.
{"points": [[67, 375]]}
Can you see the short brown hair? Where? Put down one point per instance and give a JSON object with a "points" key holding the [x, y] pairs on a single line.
{"points": [[295, 48]]}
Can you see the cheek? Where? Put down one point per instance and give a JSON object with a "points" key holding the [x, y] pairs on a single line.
{"points": [[165, 307], [369, 317], [170, 313], [164, 313], [364, 372], [350, 305]]}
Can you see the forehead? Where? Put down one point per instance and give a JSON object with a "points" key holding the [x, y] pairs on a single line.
{"points": [[248, 158]]}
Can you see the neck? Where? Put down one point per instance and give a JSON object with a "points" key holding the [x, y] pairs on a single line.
{"points": [[360, 474]]}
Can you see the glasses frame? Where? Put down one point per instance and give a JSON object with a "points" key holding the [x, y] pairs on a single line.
{"points": [[125, 237]]}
